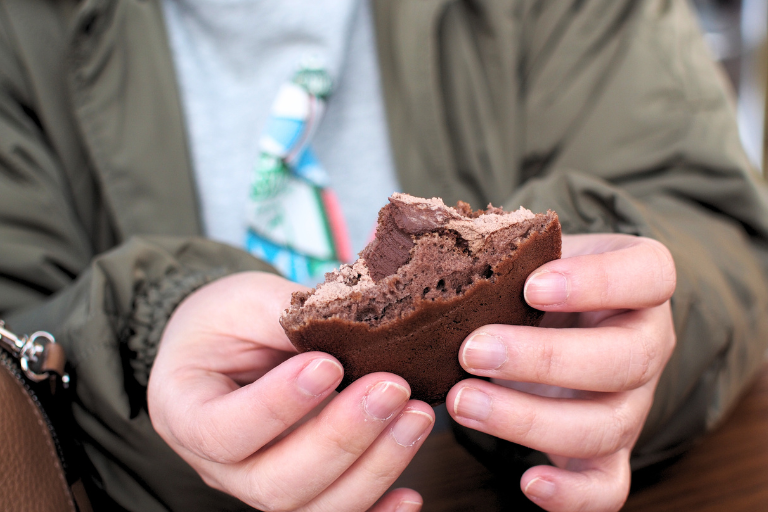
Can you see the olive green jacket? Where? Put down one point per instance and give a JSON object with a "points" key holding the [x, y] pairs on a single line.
{"points": [[608, 111]]}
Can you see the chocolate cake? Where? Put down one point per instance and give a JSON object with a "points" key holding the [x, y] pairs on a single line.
{"points": [[432, 275]]}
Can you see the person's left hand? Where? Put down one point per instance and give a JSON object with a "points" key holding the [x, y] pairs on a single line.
{"points": [[579, 387]]}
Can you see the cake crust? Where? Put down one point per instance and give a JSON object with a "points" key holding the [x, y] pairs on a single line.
{"points": [[418, 335]]}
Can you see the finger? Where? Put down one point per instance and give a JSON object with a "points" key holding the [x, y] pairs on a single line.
{"points": [[631, 348], [210, 416], [237, 307], [293, 471], [596, 425], [597, 486], [378, 468], [636, 273], [399, 500]]}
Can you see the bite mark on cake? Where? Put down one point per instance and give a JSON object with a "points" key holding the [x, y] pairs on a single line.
{"points": [[423, 251]]}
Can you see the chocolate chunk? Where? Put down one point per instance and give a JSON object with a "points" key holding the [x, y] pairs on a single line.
{"points": [[403, 217], [417, 217], [389, 251]]}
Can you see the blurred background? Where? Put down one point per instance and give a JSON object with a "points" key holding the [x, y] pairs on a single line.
{"points": [[736, 32]]}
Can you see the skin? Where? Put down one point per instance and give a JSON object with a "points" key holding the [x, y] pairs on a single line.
{"points": [[597, 359], [229, 394]]}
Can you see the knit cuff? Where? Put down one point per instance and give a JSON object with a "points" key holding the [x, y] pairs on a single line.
{"points": [[154, 303]]}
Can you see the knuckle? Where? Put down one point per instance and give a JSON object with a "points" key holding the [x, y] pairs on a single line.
{"points": [[277, 413], [269, 493], [665, 271], [546, 362], [280, 505], [523, 428], [342, 442], [614, 434], [382, 474], [164, 425], [671, 344], [668, 333], [607, 293], [587, 496], [642, 363], [605, 491], [585, 505], [620, 430], [205, 438], [620, 499], [605, 504]]}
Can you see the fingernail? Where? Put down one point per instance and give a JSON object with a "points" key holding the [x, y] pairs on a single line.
{"points": [[540, 489], [408, 506], [319, 376], [484, 352], [384, 399], [472, 404], [410, 427], [546, 289]]}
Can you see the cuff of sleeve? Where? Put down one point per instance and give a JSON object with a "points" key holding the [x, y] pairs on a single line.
{"points": [[153, 305]]}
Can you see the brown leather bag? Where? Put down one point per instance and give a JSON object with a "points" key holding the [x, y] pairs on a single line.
{"points": [[32, 476]]}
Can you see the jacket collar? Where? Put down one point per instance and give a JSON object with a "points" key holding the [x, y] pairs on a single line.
{"points": [[125, 97]]}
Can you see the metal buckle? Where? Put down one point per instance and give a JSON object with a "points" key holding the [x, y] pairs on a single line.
{"points": [[29, 350], [31, 353]]}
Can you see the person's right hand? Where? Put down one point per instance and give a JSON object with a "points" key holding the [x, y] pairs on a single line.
{"points": [[229, 395]]}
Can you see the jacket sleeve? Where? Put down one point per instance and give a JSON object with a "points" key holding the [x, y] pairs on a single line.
{"points": [[630, 128], [106, 301], [110, 319]]}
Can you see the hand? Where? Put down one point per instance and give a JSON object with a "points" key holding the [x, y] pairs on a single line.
{"points": [[229, 394], [580, 387]]}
